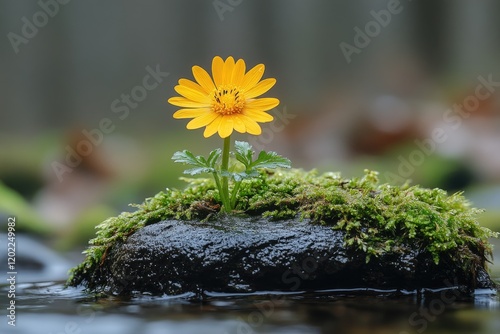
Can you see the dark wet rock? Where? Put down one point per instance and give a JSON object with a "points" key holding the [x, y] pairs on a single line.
{"points": [[248, 254]]}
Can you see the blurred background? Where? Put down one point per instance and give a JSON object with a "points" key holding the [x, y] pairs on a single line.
{"points": [[410, 89]]}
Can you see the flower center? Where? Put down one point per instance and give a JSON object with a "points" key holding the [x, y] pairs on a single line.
{"points": [[227, 100]]}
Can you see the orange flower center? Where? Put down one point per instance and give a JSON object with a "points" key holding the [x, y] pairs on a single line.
{"points": [[227, 100]]}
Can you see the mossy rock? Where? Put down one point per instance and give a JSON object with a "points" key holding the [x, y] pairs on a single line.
{"points": [[380, 224]]}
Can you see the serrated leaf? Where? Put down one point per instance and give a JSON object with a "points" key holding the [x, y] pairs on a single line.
{"points": [[244, 153], [238, 176], [199, 170], [185, 157], [213, 157], [201, 164], [245, 175], [270, 160]]}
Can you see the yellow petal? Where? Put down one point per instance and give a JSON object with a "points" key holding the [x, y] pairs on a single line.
{"points": [[201, 121], [239, 125], [238, 72], [252, 77], [262, 104], [226, 127], [212, 128], [193, 85], [228, 71], [217, 68], [260, 88], [192, 94], [203, 79], [183, 102], [190, 113], [251, 126], [258, 116]]}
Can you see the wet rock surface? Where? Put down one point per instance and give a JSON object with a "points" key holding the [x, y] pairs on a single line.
{"points": [[240, 255]]}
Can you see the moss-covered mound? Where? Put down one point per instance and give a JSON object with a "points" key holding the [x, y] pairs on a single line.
{"points": [[378, 219]]}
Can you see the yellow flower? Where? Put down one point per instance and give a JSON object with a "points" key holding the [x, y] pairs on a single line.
{"points": [[226, 103]]}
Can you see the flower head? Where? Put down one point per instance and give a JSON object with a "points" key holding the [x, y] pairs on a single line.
{"points": [[227, 100]]}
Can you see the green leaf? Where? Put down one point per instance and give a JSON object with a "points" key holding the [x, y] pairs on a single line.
{"points": [[185, 157], [198, 170], [213, 157], [238, 176], [201, 164], [270, 160], [244, 153]]}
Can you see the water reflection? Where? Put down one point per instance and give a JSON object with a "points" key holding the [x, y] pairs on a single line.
{"points": [[71, 310]]}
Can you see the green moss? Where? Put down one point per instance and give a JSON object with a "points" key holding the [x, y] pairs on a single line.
{"points": [[377, 218]]}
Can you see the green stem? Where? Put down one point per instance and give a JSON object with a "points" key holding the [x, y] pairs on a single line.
{"points": [[219, 188], [235, 192], [224, 168]]}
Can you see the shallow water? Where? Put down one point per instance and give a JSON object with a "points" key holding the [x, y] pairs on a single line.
{"points": [[50, 308]]}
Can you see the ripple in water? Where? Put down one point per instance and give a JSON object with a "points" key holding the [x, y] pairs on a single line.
{"points": [[56, 309]]}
